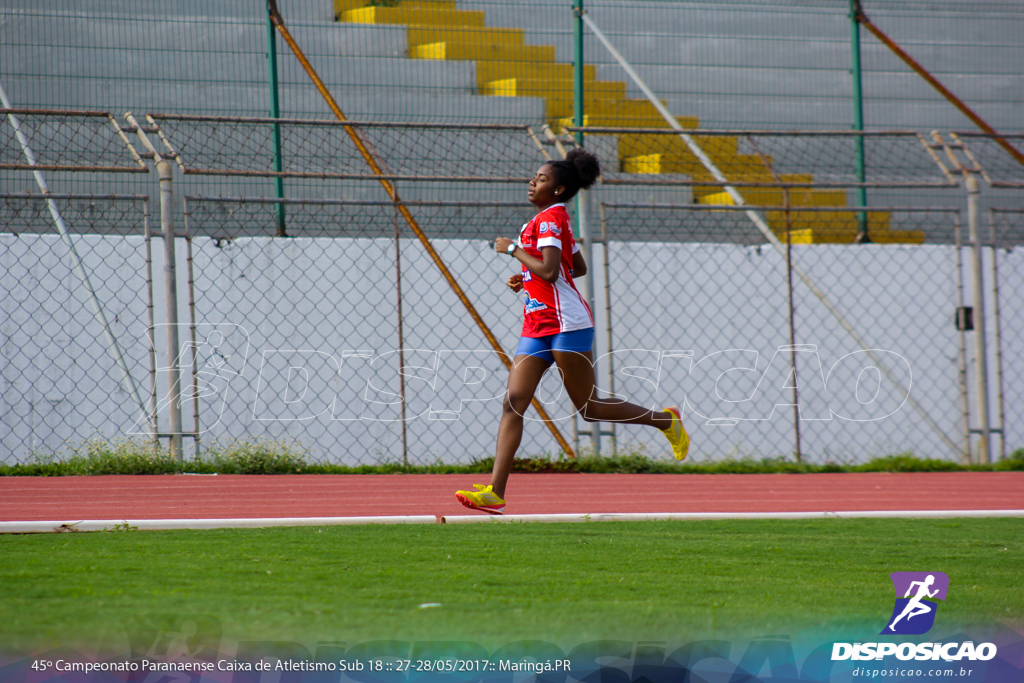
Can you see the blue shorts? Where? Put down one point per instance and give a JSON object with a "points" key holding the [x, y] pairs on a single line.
{"points": [[580, 341]]}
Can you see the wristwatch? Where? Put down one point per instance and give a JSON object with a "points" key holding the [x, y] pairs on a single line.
{"points": [[511, 248]]}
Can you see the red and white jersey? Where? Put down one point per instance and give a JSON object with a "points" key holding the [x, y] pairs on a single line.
{"points": [[556, 307]]}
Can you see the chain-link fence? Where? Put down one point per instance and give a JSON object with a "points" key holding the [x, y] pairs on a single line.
{"points": [[373, 328], [322, 149], [794, 159], [861, 338], [991, 159], [77, 359], [67, 141], [315, 260], [1008, 323], [335, 310]]}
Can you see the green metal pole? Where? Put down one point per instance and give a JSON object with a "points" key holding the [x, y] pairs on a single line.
{"points": [[582, 219], [275, 112], [858, 121], [577, 68]]}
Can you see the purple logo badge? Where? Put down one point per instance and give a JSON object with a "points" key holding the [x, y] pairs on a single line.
{"points": [[914, 612]]}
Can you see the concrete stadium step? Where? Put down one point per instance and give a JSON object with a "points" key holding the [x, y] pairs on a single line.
{"points": [[753, 172], [483, 51], [809, 79], [505, 37], [785, 19], [745, 112], [558, 93], [653, 164], [825, 52], [551, 87], [750, 80], [674, 157], [342, 6], [649, 119], [359, 103], [441, 32], [776, 196], [738, 168], [825, 227], [808, 227], [453, 77], [413, 16], [666, 148], [488, 72]]}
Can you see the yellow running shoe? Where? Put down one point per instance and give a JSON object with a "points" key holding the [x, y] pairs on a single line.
{"points": [[676, 434], [482, 499]]}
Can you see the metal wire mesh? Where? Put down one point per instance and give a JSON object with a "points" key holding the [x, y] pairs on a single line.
{"points": [[334, 282], [66, 141], [302, 337], [757, 64], [796, 159], [746, 64], [62, 384], [707, 284], [327, 301], [992, 160], [324, 149], [1007, 235]]}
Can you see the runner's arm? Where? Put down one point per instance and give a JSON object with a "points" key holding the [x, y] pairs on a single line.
{"points": [[545, 269]]}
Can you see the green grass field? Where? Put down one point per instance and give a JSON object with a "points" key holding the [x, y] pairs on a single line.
{"points": [[499, 583]]}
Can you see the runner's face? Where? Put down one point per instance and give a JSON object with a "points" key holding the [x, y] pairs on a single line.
{"points": [[544, 190]]}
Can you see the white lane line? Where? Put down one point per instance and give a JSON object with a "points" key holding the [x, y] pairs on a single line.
{"points": [[644, 516]]}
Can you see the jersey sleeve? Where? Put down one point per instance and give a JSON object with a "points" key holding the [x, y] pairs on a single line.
{"points": [[528, 239], [553, 231], [522, 234]]}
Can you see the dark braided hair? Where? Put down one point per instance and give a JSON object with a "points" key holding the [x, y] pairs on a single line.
{"points": [[579, 170]]}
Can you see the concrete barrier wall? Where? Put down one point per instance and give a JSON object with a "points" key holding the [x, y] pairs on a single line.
{"points": [[294, 333]]}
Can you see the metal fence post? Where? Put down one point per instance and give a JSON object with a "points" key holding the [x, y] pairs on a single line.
{"points": [[998, 341], [275, 112], [582, 200], [858, 122], [981, 373], [163, 168], [577, 68], [961, 326]]}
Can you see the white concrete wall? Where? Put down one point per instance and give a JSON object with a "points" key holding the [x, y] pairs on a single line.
{"points": [[329, 297]]}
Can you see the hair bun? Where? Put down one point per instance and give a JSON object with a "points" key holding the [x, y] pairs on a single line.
{"points": [[586, 165]]}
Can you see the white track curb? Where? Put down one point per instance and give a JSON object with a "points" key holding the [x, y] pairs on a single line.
{"points": [[162, 524], [645, 516]]}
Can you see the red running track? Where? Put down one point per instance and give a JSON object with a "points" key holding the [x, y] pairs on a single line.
{"points": [[297, 495]]}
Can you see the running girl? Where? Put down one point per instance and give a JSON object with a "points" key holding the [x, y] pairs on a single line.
{"points": [[558, 326]]}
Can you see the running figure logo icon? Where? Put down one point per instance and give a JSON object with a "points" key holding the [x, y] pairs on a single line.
{"points": [[914, 612]]}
